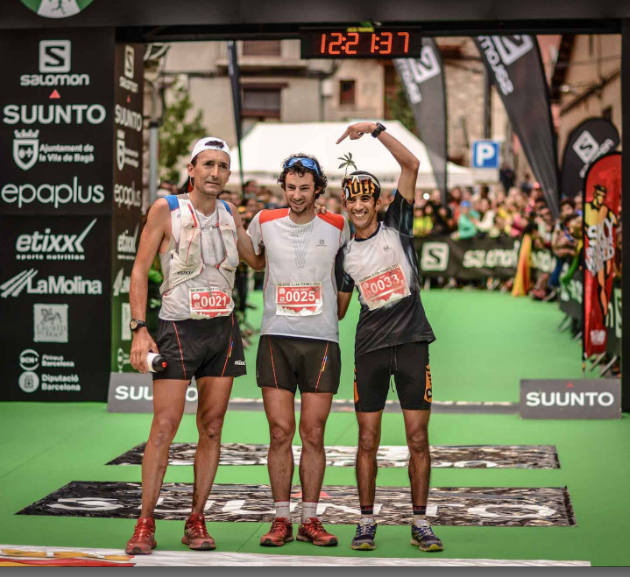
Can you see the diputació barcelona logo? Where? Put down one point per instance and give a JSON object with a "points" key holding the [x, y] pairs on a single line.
{"points": [[56, 8]]}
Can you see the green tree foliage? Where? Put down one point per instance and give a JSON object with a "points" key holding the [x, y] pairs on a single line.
{"points": [[400, 110], [177, 134]]}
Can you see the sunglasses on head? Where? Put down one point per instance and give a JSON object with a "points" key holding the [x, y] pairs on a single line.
{"points": [[305, 162]]}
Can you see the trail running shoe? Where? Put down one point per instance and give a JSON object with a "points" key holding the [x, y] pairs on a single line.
{"points": [[281, 532], [143, 540], [424, 538], [312, 530], [196, 535], [364, 537]]}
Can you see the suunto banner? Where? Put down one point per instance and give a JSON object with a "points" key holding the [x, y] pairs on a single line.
{"points": [[516, 69], [577, 399], [590, 140], [602, 198], [423, 79]]}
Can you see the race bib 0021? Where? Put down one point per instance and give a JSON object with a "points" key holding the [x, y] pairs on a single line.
{"points": [[209, 302], [299, 299], [384, 286]]}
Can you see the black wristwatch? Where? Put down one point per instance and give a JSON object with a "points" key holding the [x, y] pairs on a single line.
{"points": [[135, 324], [379, 128]]}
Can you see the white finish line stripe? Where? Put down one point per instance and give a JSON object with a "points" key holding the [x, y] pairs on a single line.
{"points": [[20, 553]]}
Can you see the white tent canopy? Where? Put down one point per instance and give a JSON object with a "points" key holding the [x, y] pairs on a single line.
{"points": [[269, 143]]}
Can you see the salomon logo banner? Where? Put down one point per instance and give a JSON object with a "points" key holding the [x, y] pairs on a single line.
{"points": [[423, 79], [516, 69], [577, 399], [57, 122], [592, 139], [338, 504], [56, 8]]}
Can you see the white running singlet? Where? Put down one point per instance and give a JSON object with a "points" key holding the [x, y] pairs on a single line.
{"points": [[300, 291]]}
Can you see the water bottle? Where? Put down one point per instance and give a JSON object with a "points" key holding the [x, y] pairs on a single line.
{"points": [[156, 362]]}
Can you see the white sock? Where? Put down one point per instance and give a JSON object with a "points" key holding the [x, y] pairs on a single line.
{"points": [[367, 521], [420, 520], [308, 510], [283, 509]]}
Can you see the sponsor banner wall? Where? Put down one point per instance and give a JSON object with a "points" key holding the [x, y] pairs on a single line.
{"points": [[128, 123], [56, 121], [55, 307], [132, 392], [578, 399], [125, 238], [127, 194], [475, 258], [589, 140], [602, 203]]}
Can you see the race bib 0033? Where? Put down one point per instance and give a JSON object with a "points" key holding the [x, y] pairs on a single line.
{"points": [[384, 286], [209, 302], [299, 299]]}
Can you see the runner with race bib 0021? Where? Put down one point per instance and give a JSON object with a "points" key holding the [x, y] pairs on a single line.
{"points": [[393, 333]]}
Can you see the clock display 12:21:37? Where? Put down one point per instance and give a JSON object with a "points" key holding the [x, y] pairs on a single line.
{"points": [[392, 44]]}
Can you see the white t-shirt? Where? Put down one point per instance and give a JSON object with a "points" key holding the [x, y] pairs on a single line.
{"points": [[300, 290]]}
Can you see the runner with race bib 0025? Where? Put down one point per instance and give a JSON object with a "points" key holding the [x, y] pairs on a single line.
{"points": [[299, 342], [393, 333]]}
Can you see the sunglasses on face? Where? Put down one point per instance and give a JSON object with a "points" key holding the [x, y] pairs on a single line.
{"points": [[305, 162]]}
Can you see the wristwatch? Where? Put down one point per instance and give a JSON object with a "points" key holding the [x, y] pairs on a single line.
{"points": [[135, 324], [379, 128]]}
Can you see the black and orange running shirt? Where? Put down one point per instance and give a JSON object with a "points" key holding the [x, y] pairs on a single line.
{"points": [[384, 269]]}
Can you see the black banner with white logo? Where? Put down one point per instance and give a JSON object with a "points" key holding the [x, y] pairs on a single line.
{"points": [[475, 258], [56, 122], [516, 69], [423, 79], [127, 200], [591, 139], [54, 303]]}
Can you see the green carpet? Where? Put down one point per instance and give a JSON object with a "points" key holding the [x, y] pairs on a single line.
{"points": [[486, 343], [47, 446]]}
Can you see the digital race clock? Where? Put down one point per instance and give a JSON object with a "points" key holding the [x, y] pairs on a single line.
{"points": [[361, 42]]}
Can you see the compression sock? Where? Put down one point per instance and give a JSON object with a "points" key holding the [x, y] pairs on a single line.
{"points": [[367, 515], [309, 509], [283, 509], [419, 515]]}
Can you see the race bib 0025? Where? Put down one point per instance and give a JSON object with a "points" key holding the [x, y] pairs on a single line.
{"points": [[209, 302], [299, 299], [384, 286]]}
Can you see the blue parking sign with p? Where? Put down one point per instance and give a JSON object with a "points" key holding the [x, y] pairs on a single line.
{"points": [[485, 154]]}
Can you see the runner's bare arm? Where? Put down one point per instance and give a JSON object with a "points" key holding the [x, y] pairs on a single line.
{"points": [[343, 302], [152, 236], [409, 164], [244, 243]]}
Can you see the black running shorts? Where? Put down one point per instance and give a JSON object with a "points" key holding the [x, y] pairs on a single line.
{"points": [[201, 348], [407, 363], [289, 362]]}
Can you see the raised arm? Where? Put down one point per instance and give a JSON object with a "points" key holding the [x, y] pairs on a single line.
{"points": [[244, 243], [152, 236], [409, 164]]}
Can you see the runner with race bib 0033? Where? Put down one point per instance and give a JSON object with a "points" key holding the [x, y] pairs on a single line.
{"points": [[393, 333]]}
